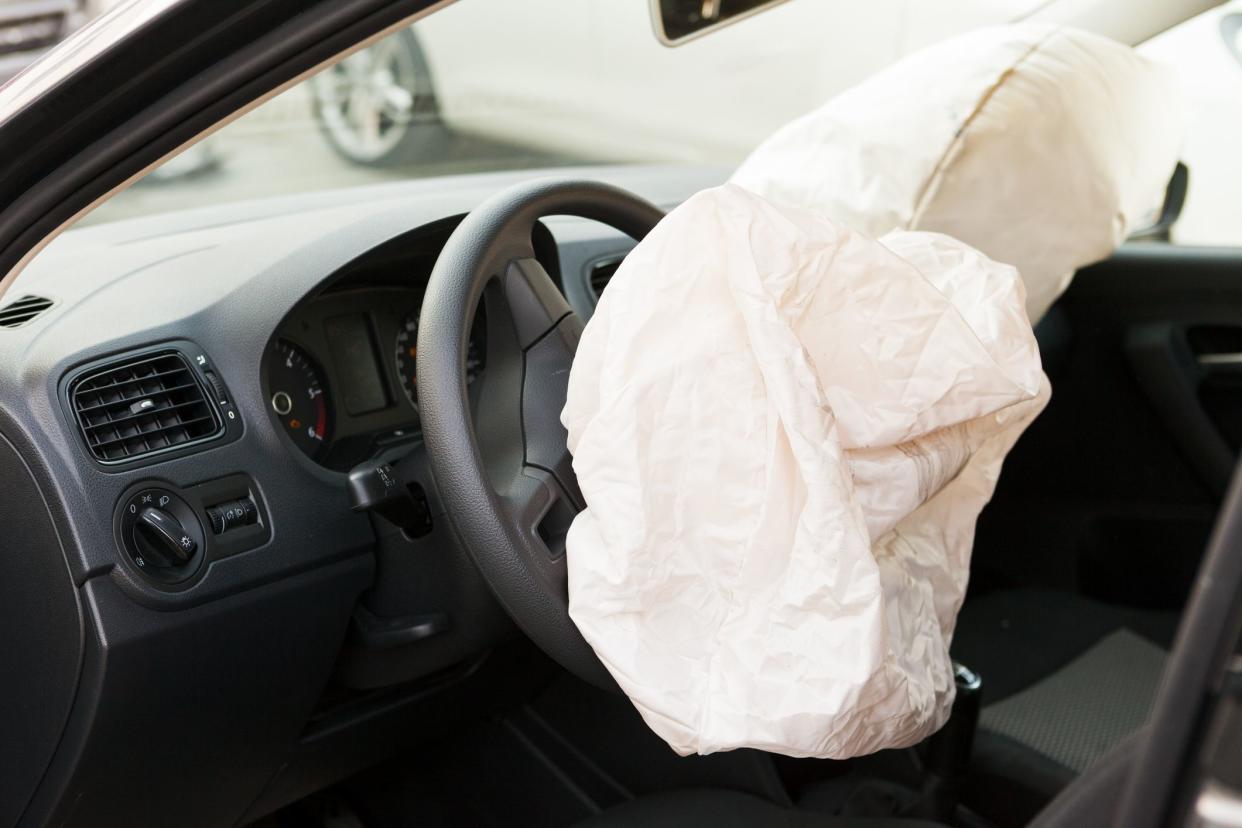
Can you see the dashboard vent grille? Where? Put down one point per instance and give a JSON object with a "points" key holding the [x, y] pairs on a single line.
{"points": [[19, 312], [601, 275], [142, 405]]}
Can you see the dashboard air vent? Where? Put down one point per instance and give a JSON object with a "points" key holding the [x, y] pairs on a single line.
{"points": [[601, 274], [142, 405], [20, 311]]}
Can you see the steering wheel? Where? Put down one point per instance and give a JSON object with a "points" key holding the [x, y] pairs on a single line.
{"points": [[505, 475]]}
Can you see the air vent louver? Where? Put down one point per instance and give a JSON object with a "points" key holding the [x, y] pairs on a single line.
{"points": [[142, 405], [19, 312], [601, 274]]}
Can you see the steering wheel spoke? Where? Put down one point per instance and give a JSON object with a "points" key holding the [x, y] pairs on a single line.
{"points": [[544, 387], [535, 303], [538, 507]]}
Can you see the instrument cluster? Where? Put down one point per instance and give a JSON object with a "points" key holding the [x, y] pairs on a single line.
{"points": [[341, 374]]}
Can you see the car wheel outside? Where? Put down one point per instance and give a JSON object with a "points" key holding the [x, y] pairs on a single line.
{"points": [[377, 107]]}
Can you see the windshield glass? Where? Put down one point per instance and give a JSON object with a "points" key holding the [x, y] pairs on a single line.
{"points": [[586, 82]]}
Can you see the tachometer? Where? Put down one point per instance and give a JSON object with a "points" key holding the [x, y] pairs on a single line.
{"points": [[407, 356], [299, 397]]}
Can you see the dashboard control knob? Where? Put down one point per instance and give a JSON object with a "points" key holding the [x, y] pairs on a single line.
{"points": [[215, 514], [233, 514], [161, 534], [162, 539]]}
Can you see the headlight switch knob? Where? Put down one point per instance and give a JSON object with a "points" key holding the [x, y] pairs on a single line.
{"points": [[161, 534]]}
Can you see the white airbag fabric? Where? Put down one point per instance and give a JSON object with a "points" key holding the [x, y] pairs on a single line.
{"points": [[1043, 147], [791, 406], [784, 431]]}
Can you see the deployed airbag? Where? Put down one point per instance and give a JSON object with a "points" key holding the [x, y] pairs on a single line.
{"points": [[1043, 147], [784, 431]]}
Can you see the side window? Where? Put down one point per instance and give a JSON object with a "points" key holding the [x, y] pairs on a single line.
{"points": [[1206, 51]]}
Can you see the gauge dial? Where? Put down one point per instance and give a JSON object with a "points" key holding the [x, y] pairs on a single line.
{"points": [[299, 398], [407, 356]]}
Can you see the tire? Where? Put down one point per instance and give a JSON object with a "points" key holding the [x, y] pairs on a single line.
{"points": [[377, 108]]}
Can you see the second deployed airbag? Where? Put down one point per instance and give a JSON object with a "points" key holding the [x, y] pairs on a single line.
{"points": [[1041, 146]]}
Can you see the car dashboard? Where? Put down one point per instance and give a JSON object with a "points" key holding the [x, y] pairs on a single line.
{"points": [[189, 594]]}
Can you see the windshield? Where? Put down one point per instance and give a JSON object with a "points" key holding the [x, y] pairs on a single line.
{"points": [[586, 82]]}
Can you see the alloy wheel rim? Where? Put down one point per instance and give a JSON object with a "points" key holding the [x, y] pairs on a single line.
{"points": [[367, 101]]}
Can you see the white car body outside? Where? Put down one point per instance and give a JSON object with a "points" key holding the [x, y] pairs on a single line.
{"points": [[628, 97]]}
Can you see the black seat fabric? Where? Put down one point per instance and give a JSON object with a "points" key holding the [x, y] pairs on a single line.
{"points": [[1064, 680], [1014, 638], [727, 809]]}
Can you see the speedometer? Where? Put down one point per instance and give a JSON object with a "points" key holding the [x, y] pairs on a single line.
{"points": [[407, 356], [299, 397]]}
